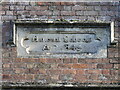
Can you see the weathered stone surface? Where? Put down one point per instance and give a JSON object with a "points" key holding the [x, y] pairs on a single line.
{"points": [[66, 41]]}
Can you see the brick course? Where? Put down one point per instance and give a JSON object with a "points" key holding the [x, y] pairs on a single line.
{"points": [[60, 70]]}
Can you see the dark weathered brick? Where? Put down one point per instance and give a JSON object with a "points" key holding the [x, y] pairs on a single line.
{"points": [[8, 18], [5, 7], [98, 8], [67, 8], [105, 66], [44, 13], [9, 13], [79, 13], [56, 12], [68, 13], [57, 70], [65, 66], [32, 8], [90, 13], [2, 12], [78, 7], [23, 3], [89, 8]]}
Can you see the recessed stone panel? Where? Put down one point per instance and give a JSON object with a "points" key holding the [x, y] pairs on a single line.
{"points": [[60, 41]]}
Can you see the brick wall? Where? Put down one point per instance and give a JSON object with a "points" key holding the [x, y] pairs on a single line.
{"points": [[59, 71]]}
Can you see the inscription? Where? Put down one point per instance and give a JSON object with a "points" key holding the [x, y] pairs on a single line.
{"points": [[60, 42]]}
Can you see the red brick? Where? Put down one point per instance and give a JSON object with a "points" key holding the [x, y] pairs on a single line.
{"points": [[0, 7], [93, 77], [40, 3], [17, 60], [80, 60], [18, 65], [41, 71], [43, 3], [104, 66], [56, 3], [40, 60], [30, 65], [7, 70], [54, 66], [54, 72], [6, 65], [18, 77], [71, 13], [109, 82], [29, 76], [19, 70], [6, 76], [93, 72], [80, 78], [94, 81], [32, 71], [68, 3], [114, 72], [5, 7], [111, 50], [114, 60], [92, 66], [55, 77], [113, 55], [80, 72], [103, 60], [27, 60], [69, 71], [70, 60], [79, 66], [106, 71], [54, 60], [90, 61]]}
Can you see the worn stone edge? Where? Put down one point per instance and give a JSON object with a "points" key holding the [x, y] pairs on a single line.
{"points": [[37, 84], [59, 21]]}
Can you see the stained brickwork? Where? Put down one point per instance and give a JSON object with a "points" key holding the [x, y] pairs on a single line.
{"points": [[62, 71]]}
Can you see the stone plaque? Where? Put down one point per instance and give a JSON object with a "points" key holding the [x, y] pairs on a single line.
{"points": [[59, 41]]}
